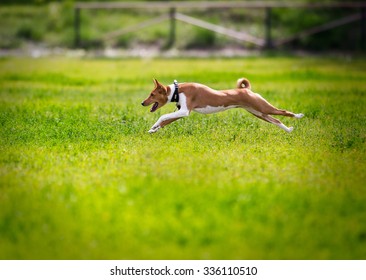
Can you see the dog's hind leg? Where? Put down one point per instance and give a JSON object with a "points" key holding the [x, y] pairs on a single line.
{"points": [[277, 122], [272, 120], [286, 113], [263, 106]]}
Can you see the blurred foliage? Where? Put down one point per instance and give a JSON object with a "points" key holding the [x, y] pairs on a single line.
{"points": [[52, 23], [201, 38], [294, 21]]}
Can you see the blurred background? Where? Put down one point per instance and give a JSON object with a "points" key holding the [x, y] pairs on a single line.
{"points": [[40, 27]]}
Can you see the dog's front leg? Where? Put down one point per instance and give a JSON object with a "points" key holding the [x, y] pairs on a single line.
{"points": [[167, 119], [165, 123]]}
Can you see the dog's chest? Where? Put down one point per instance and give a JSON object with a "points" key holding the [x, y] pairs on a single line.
{"points": [[211, 109]]}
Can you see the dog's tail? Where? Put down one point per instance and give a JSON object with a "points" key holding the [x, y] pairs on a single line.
{"points": [[243, 83]]}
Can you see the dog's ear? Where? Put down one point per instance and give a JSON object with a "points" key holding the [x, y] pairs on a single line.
{"points": [[157, 84]]}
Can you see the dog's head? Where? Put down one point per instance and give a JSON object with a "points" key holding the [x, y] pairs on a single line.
{"points": [[158, 97]]}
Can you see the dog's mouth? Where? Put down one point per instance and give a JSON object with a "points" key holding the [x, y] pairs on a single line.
{"points": [[154, 107]]}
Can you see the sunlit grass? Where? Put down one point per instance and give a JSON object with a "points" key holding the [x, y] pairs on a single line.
{"points": [[80, 177]]}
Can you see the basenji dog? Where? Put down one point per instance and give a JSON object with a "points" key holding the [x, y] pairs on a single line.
{"points": [[202, 99]]}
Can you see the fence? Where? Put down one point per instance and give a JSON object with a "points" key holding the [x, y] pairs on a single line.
{"points": [[267, 42]]}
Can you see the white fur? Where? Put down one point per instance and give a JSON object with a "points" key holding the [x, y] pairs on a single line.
{"points": [[285, 128], [172, 89], [299, 116], [211, 109], [183, 112]]}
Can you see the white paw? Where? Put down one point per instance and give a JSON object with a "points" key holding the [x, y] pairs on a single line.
{"points": [[289, 129], [299, 116], [154, 129]]}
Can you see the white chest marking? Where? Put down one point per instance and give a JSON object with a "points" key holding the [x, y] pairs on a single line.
{"points": [[211, 109]]}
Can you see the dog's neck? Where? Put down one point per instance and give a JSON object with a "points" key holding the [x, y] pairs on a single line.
{"points": [[171, 90]]}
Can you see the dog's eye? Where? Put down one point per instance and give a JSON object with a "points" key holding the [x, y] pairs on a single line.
{"points": [[152, 95]]}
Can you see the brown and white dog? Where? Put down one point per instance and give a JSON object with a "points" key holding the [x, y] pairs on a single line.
{"points": [[202, 99]]}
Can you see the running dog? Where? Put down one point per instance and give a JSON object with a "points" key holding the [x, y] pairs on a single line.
{"points": [[202, 99]]}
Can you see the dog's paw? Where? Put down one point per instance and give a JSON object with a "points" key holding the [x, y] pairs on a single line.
{"points": [[299, 116], [154, 129], [289, 129]]}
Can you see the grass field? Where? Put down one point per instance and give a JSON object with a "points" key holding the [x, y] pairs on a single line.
{"points": [[80, 177]]}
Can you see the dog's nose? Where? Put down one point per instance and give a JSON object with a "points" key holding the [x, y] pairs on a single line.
{"points": [[142, 103]]}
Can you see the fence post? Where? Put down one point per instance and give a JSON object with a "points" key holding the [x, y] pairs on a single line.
{"points": [[268, 26], [77, 27], [171, 39], [363, 28]]}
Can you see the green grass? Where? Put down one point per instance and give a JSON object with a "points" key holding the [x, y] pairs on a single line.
{"points": [[80, 177]]}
